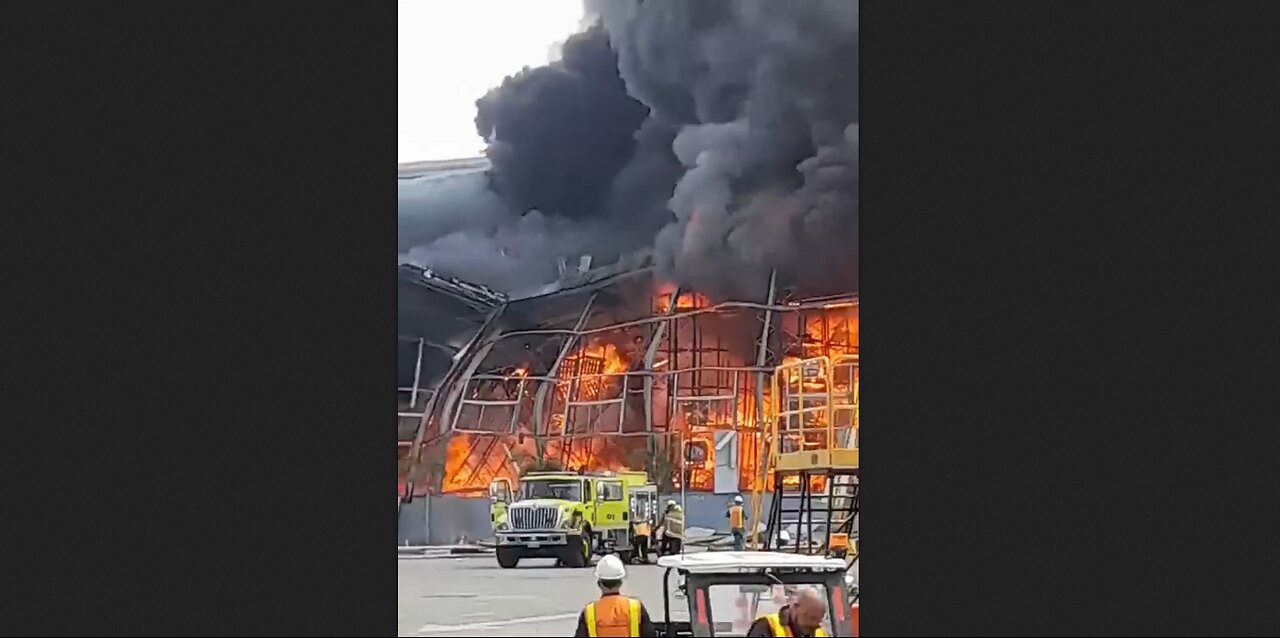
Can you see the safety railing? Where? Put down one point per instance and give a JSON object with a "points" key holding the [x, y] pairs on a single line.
{"points": [[844, 400], [802, 396], [815, 420]]}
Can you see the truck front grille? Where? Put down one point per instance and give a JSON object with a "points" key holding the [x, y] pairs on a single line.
{"points": [[534, 517]]}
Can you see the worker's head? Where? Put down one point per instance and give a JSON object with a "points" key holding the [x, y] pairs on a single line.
{"points": [[671, 504], [737, 500], [808, 608], [609, 573]]}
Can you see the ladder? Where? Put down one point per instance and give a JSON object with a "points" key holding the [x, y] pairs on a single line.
{"points": [[810, 516]]}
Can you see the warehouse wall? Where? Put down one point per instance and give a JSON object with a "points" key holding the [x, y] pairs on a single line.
{"points": [[442, 520]]}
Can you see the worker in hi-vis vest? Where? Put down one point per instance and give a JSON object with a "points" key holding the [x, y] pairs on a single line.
{"points": [[737, 524], [641, 533], [802, 618], [672, 529], [613, 614]]}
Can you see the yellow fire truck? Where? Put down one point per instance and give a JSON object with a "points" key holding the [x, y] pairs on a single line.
{"points": [[569, 516]]}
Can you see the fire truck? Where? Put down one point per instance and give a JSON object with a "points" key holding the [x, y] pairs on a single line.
{"points": [[569, 516]]}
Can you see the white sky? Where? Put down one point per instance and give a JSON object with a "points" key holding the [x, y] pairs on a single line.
{"points": [[453, 51]]}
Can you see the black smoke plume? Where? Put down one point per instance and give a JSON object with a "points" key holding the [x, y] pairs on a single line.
{"points": [[558, 134], [458, 227], [723, 133], [765, 98]]}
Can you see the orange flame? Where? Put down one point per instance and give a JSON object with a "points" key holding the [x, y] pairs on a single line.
{"points": [[596, 367], [664, 291], [473, 460]]}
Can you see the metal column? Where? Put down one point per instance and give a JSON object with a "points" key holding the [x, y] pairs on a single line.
{"points": [[539, 427]]}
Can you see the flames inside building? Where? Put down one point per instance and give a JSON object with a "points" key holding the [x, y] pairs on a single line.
{"points": [[608, 368]]}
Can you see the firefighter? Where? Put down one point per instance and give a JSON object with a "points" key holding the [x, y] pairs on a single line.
{"points": [[613, 614], [672, 528], [737, 524], [641, 533], [802, 618]]}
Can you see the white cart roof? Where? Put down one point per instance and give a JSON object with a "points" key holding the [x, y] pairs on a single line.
{"points": [[731, 562]]}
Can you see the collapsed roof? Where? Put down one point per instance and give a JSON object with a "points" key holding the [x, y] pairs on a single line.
{"points": [[446, 313], [440, 313]]}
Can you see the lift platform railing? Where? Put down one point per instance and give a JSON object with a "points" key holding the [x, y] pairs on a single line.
{"points": [[844, 400], [802, 396], [814, 425]]}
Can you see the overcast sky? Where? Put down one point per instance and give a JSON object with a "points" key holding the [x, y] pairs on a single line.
{"points": [[453, 51]]}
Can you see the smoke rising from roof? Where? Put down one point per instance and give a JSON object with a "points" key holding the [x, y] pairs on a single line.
{"points": [[723, 133], [458, 226]]}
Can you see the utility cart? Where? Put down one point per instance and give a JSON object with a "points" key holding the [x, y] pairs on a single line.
{"points": [[723, 593]]}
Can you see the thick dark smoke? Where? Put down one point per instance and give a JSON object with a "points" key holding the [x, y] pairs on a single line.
{"points": [[558, 134], [765, 97], [557, 137], [723, 133], [459, 227]]}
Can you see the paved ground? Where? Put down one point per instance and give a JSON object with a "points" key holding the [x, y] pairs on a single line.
{"points": [[471, 596]]}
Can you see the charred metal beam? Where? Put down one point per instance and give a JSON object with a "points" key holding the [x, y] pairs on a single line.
{"points": [[651, 351], [539, 431], [655, 341], [728, 305], [474, 295], [417, 376], [416, 451], [761, 461]]}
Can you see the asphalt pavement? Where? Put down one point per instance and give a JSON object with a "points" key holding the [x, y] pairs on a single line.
{"points": [[472, 595]]}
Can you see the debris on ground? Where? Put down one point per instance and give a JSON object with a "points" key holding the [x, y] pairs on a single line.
{"points": [[440, 551]]}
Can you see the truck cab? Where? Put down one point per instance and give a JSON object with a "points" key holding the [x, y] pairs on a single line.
{"points": [[567, 516]]}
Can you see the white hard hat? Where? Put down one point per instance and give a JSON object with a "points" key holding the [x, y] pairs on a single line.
{"points": [[671, 503], [737, 499], [610, 568]]}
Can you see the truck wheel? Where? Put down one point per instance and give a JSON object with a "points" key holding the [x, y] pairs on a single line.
{"points": [[508, 559]]}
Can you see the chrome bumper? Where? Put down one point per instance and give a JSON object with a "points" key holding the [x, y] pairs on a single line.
{"points": [[531, 539]]}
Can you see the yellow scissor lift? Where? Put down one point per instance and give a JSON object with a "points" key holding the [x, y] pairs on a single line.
{"points": [[814, 433]]}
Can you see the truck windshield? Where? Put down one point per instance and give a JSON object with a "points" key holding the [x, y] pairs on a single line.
{"points": [[565, 490]]}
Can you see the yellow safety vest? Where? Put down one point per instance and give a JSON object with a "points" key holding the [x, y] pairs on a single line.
{"points": [[674, 524], [613, 628], [779, 630]]}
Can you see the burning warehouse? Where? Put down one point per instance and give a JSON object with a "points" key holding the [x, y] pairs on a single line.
{"points": [[705, 156], [607, 368]]}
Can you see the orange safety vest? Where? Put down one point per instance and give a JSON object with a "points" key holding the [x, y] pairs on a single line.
{"points": [[613, 616], [735, 517], [779, 630]]}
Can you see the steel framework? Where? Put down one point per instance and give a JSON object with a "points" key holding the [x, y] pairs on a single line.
{"points": [[588, 367]]}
